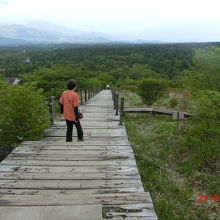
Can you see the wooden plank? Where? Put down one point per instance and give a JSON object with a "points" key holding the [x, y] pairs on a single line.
{"points": [[70, 199], [83, 194], [88, 141], [63, 169], [52, 153], [114, 162], [69, 184], [69, 191], [72, 148], [68, 176], [83, 148], [139, 211], [104, 132], [79, 212], [152, 111], [72, 157]]}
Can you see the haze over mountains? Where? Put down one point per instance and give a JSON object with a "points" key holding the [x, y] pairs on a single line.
{"points": [[44, 32]]}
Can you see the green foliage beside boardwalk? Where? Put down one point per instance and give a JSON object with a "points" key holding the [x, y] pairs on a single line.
{"points": [[151, 90], [23, 114]]}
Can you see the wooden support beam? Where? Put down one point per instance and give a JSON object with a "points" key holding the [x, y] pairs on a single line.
{"points": [[121, 111], [116, 104], [85, 95]]}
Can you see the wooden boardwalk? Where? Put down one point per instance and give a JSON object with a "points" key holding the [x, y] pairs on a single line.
{"points": [[91, 180]]}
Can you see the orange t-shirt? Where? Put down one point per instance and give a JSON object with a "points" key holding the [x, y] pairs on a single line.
{"points": [[69, 99]]}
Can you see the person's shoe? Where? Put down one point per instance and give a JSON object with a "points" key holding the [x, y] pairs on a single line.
{"points": [[81, 140]]}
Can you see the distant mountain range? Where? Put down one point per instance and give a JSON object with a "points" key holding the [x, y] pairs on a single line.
{"points": [[40, 32], [8, 41], [44, 32]]}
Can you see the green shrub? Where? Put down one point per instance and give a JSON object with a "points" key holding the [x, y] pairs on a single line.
{"points": [[23, 114], [152, 89], [173, 102], [129, 88], [94, 83], [127, 82]]}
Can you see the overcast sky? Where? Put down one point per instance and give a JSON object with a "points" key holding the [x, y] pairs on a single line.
{"points": [[165, 20]]}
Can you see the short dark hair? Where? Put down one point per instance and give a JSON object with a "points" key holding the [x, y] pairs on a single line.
{"points": [[71, 84]]}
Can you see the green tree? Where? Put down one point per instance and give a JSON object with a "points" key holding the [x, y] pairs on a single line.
{"points": [[23, 114], [106, 79], [205, 73], [141, 71], [94, 83], [152, 89]]}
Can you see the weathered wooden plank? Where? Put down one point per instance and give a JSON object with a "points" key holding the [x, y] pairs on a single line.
{"points": [[114, 162], [63, 169], [69, 191], [139, 211], [79, 212], [151, 110], [89, 141], [64, 146], [77, 157], [62, 150], [68, 176], [72, 153], [70, 199], [112, 132], [75, 194], [69, 184]]}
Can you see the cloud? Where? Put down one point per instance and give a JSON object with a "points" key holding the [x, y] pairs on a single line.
{"points": [[5, 2]]}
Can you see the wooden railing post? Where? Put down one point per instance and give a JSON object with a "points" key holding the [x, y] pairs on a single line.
{"points": [[178, 117], [116, 104], [121, 111], [81, 98], [114, 99], [52, 102], [85, 95]]}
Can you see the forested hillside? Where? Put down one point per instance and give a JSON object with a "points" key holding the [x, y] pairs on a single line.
{"points": [[100, 64]]}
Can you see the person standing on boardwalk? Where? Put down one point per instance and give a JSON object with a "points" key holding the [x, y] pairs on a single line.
{"points": [[69, 101]]}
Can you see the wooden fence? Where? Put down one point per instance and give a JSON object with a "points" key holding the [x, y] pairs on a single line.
{"points": [[121, 110]]}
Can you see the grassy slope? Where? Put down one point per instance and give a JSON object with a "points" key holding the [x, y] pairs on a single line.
{"points": [[168, 172]]}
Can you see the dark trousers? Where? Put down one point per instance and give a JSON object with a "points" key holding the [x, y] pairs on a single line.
{"points": [[69, 132]]}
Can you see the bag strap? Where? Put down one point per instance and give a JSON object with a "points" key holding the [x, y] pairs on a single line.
{"points": [[69, 99], [70, 102]]}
